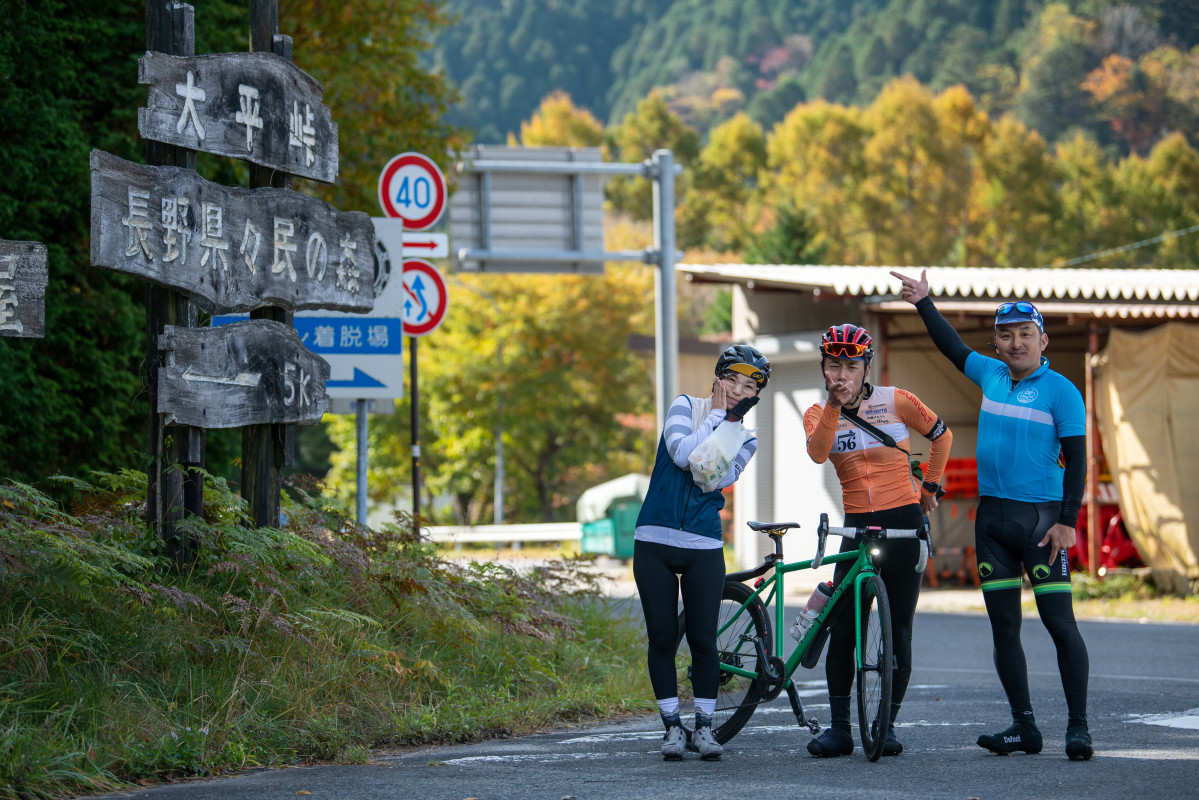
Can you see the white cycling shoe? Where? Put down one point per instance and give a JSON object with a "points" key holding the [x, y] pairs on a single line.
{"points": [[703, 741], [674, 743]]}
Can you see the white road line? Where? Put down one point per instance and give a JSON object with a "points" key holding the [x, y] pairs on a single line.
{"points": [[1186, 719], [1042, 674]]}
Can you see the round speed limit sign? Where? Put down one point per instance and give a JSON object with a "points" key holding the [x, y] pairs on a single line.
{"points": [[412, 188]]}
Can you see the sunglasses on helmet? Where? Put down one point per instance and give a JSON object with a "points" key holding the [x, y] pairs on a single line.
{"points": [[1022, 307], [844, 349]]}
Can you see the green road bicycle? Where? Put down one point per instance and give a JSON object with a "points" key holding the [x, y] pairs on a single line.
{"points": [[753, 669]]}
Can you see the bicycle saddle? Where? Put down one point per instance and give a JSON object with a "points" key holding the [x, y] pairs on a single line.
{"points": [[773, 527]]}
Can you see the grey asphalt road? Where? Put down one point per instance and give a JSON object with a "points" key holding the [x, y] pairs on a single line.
{"points": [[1144, 712]]}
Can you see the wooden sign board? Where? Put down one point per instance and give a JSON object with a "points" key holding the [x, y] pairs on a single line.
{"points": [[254, 106], [230, 249], [23, 278], [247, 373]]}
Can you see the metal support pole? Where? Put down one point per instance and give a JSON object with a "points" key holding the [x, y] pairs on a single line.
{"points": [[666, 323], [1092, 456], [498, 516], [415, 420], [362, 406]]}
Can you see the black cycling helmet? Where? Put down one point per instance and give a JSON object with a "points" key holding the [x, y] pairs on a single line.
{"points": [[847, 341], [746, 360]]}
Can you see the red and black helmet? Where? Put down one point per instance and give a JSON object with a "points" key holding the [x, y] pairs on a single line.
{"points": [[847, 341]]}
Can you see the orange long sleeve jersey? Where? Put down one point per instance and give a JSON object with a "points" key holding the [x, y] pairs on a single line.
{"points": [[873, 476]]}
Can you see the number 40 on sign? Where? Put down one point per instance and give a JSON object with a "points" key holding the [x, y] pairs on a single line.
{"points": [[412, 188]]}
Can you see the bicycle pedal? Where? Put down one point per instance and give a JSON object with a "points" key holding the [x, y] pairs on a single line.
{"points": [[813, 726]]}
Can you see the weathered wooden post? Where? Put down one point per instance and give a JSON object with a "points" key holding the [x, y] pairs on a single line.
{"points": [[174, 482], [266, 449]]}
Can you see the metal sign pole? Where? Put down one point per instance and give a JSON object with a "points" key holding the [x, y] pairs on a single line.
{"points": [[666, 323], [412, 340], [361, 459]]}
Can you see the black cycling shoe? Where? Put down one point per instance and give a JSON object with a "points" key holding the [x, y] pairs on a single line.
{"points": [[832, 743], [1021, 737], [1078, 743]]}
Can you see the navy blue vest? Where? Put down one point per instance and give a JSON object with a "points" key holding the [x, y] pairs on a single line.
{"points": [[674, 501]]}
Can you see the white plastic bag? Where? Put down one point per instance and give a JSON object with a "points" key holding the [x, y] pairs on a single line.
{"points": [[712, 459]]}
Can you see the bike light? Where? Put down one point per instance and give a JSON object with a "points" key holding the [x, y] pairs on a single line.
{"points": [[876, 552]]}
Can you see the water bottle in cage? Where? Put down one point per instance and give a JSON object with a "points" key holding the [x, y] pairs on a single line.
{"points": [[811, 610]]}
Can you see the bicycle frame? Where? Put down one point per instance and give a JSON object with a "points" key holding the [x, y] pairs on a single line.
{"points": [[859, 573]]}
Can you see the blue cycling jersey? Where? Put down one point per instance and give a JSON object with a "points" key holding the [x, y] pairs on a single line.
{"points": [[1020, 428]]}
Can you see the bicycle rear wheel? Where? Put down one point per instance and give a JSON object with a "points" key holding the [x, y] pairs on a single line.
{"points": [[736, 696], [874, 675]]}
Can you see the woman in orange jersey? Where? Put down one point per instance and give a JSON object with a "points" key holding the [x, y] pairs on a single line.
{"points": [[878, 488]]}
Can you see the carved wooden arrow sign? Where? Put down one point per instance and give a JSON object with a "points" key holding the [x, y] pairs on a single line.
{"points": [[230, 249], [246, 373], [255, 106], [23, 278]]}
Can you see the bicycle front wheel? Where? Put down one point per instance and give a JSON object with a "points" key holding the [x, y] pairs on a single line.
{"points": [[874, 674], [736, 695]]}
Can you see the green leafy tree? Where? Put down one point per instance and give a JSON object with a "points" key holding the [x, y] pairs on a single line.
{"points": [[366, 55], [768, 108], [838, 82], [816, 162], [792, 239], [1051, 98], [652, 126], [558, 123], [717, 209], [546, 360]]}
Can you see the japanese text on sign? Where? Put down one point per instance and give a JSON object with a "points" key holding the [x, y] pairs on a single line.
{"points": [[234, 248]]}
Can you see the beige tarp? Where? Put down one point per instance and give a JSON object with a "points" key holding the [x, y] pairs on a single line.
{"points": [[1147, 403]]}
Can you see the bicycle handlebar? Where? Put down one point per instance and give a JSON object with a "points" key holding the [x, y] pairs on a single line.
{"points": [[873, 531]]}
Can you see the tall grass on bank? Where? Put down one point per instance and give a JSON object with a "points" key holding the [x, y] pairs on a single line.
{"points": [[316, 642]]}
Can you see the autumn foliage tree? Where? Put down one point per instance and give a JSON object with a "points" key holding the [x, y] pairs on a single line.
{"points": [[545, 360]]}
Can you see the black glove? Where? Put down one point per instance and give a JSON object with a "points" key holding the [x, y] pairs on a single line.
{"points": [[738, 412]]}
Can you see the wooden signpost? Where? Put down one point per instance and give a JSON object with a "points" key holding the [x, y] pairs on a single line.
{"points": [[247, 373], [230, 249], [255, 106], [23, 278], [265, 249]]}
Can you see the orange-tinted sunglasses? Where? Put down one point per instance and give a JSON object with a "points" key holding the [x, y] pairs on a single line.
{"points": [[844, 349]]}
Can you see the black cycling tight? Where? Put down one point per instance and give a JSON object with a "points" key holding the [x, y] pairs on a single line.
{"points": [[659, 571], [897, 567], [1006, 534]]}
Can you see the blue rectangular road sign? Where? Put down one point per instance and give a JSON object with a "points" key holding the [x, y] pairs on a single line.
{"points": [[365, 354], [362, 336]]}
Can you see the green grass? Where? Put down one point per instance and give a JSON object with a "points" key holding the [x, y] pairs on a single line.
{"points": [[315, 643]]}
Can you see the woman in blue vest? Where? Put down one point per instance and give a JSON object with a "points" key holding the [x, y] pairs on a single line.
{"points": [[678, 545]]}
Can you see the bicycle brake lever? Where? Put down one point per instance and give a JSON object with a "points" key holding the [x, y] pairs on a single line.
{"points": [[821, 536]]}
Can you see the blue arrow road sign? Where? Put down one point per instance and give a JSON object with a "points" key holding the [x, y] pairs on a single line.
{"points": [[368, 349], [360, 381]]}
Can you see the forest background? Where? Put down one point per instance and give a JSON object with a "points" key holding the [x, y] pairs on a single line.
{"points": [[934, 132]]}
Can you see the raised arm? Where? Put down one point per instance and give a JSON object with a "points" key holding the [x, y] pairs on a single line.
{"points": [[942, 333]]}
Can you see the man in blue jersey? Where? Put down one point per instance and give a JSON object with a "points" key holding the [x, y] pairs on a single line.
{"points": [[1031, 471]]}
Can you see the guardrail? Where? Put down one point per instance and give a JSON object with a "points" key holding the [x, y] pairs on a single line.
{"points": [[498, 534]]}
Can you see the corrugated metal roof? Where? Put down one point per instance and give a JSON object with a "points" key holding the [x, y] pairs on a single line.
{"points": [[1165, 287]]}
